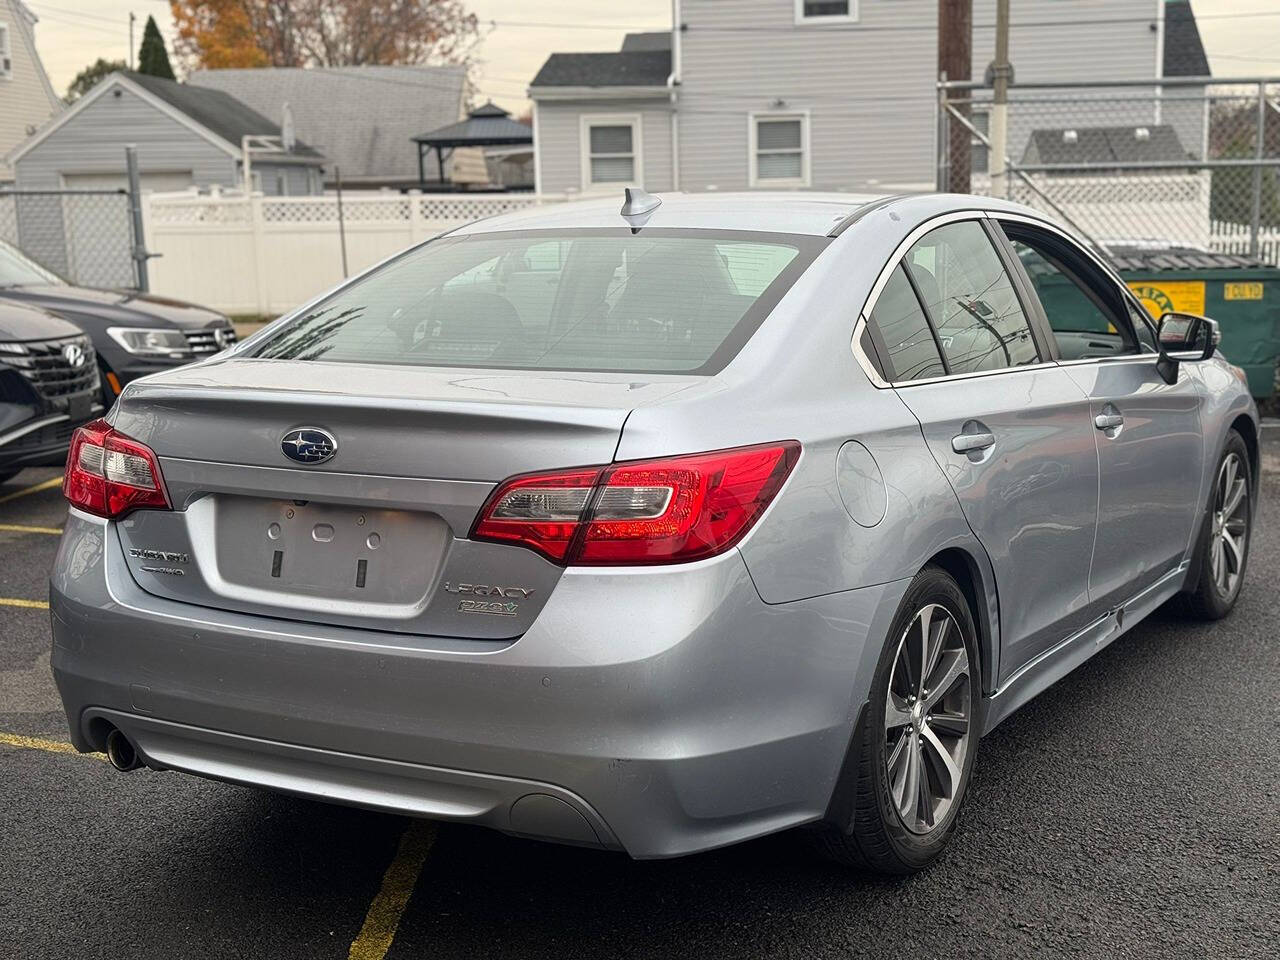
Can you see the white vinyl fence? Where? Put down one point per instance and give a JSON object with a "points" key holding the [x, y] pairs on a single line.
{"points": [[1235, 238], [266, 255]]}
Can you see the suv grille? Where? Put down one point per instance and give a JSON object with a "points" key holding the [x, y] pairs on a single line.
{"points": [[205, 342], [56, 368]]}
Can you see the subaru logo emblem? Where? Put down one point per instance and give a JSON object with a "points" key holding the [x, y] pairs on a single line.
{"points": [[75, 356], [309, 445]]}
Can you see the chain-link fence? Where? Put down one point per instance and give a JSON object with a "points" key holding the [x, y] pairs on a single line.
{"points": [[1181, 162], [84, 236]]}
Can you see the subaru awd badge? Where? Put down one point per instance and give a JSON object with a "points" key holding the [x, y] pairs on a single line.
{"points": [[309, 445]]}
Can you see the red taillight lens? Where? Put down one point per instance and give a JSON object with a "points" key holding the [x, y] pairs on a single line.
{"points": [[653, 511], [539, 511], [109, 474]]}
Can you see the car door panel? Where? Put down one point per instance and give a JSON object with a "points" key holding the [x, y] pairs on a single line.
{"points": [[1030, 497], [1151, 467], [1148, 432]]}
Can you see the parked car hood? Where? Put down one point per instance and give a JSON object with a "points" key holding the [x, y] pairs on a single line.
{"points": [[119, 307], [19, 322]]}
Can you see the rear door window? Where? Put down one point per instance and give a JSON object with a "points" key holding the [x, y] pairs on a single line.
{"points": [[901, 334], [970, 299], [660, 301]]}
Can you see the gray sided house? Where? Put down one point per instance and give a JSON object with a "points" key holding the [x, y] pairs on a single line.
{"points": [[27, 99], [606, 120], [362, 119], [825, 94], [186, 136]]}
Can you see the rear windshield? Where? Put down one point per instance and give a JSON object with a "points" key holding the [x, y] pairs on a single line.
{"points": [[673, 301]]}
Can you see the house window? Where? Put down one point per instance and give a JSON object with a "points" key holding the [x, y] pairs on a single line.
{"points": [[981, 121], [610, 151], [826, 11], [6, 56], [780, 150]]}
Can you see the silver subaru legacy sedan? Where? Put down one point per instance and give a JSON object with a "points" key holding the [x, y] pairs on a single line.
{"points": [[653, 530]]}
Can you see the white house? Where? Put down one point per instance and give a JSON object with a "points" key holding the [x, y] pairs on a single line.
{"points": [[27, 99], [816, 94]]}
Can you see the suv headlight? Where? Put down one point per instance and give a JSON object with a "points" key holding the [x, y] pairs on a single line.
{"points": [[150, 343]]}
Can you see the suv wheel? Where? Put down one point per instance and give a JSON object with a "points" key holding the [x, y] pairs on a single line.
{"points": [[919, 735]]}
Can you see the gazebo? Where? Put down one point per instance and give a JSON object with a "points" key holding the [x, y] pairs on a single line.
{"points": [[487, 126]]}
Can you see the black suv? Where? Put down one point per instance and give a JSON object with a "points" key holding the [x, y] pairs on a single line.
{"points": [[133, 333], [48, 386]]}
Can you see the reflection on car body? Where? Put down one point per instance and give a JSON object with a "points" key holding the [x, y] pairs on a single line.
{"points": [[777, 503]]}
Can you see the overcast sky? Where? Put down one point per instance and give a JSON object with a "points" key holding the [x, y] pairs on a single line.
{"points": [[520, 33]]}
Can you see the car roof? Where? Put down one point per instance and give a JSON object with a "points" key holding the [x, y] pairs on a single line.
{"points": [[815, 214], [803, 213]]}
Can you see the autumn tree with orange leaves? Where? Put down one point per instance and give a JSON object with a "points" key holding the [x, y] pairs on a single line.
{"points": [[321, 33]]}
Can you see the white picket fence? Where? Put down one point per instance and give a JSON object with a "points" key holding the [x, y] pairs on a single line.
{"points": [[266, 255], [1235, 238]]}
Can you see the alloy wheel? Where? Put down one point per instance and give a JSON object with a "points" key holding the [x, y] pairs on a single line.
{"points": [[1229, 534], [928, 719]]}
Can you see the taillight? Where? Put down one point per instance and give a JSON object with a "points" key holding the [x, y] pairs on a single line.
{"points": [[643, 512], [109, 474]]}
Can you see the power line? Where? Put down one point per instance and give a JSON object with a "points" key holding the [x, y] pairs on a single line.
{"points": [[40, 7], [688, 27], [83, 25]]}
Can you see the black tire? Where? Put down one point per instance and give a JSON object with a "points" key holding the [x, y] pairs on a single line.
{"points": [[1212, 597], [7, 475], [873, 834]]}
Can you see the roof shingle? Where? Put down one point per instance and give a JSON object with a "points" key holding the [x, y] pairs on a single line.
{"points": [[362, 118], [216, 111], [643, 68], [1184, 54], [1094, 145]]}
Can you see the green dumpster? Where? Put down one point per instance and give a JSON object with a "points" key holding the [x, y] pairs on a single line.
{"points": [[1242, 294]]}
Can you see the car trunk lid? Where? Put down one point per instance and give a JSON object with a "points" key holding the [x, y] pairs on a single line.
{"points": [[375, 536]]}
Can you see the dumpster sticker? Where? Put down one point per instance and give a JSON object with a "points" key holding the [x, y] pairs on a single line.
{"points": [[1242, 291], [1180, 296]]}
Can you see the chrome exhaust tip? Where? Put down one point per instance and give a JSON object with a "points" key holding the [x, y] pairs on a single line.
{"points": [[121, 752]]}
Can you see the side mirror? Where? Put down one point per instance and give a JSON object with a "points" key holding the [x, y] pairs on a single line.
{"points": [[1184, 337]]}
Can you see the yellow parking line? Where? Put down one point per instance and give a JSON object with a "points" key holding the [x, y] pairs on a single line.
{"points": [[23, 528], [48, 746], [28, 604], [374, 939], [47, 485]]}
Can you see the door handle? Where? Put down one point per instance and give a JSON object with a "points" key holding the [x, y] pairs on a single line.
{"points": [[1108, 421], [968, 442]]}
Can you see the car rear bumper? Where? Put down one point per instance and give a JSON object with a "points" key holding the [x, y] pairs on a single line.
{"points": [[40, 441], [659, 711]]}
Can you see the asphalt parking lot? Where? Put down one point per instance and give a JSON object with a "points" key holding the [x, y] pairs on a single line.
{"points": [[1131, 811]]}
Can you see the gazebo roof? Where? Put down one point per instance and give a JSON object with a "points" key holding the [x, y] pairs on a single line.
{"points": [[487, 126]]}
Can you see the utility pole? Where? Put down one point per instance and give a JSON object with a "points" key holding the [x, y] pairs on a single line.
{"points": [[132, 18], [1000, 102], [139, 252], [955, 62]]}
